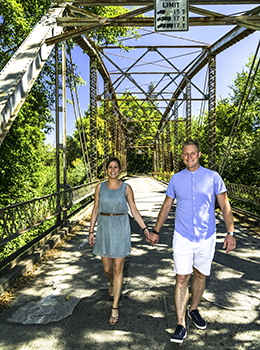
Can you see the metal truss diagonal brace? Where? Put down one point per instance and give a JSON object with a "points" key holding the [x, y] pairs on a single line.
{"points": [[212, 113], [19, 74], [188, 110], [93, 116]]}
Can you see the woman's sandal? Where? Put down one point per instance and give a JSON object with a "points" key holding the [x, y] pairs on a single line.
{"points": [[113, 319], [111, 291]]}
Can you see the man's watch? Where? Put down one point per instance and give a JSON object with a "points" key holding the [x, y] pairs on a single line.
{"points": [[230, 233]]}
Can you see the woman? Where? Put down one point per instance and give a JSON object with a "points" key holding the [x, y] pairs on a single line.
{"points": [[113, 238]]}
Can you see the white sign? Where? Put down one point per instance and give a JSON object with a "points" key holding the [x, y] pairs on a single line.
{"points": [[171, 15]]}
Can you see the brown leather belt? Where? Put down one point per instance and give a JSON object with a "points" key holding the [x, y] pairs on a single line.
{"points": [[111, 214]]}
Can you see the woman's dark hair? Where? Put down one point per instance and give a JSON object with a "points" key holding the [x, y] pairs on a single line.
{"points": [[113, 159]]}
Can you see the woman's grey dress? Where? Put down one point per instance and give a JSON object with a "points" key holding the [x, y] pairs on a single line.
{"points": [[113, 238]]}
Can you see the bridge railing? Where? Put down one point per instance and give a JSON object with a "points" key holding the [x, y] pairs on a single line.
{"points": [[249, 194], [19, 218]]}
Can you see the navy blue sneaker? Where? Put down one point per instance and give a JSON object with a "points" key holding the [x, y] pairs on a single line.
{"points": [[197, 319], [179, 335]]}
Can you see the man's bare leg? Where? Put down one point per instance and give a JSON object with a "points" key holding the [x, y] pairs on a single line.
{"points": [[197, 288], [181, 297]]}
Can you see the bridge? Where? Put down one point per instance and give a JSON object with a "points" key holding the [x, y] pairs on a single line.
{"points": [[66, 305], [124, 133]]}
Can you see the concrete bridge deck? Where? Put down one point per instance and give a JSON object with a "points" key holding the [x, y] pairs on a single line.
{"points": [[66, 306]]}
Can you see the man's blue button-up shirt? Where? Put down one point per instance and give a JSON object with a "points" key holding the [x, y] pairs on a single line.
{"points": [[195, 193]]}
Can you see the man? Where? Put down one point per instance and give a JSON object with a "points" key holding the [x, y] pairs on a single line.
{"points": [[194, 240]]}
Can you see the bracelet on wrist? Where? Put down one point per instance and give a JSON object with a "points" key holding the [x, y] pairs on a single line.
{"points": [[91, 232], [230, 234], [144, 228], [154, 231]]}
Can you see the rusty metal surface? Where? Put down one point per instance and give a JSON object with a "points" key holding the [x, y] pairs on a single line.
{"points": [[19, 218], [212, 113], [244, 193], [93, 115]]}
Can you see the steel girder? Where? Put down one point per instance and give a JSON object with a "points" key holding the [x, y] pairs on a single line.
{"points": [[112, 115], [212, 113], [93, 115], [229, 39], [155, 158], [148, 2], [106, 134], [188, 110], [21, 71], [176, 142], [163, 151], [168, 147]]}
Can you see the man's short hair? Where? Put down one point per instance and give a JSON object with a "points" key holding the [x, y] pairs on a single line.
{"points": [[190, 142]]}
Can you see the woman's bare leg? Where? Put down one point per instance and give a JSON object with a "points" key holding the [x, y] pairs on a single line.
{"points": [[108, 270], [118, 269]]}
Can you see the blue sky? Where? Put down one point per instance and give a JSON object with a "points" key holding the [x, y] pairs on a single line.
{"points": [[229, 62]]}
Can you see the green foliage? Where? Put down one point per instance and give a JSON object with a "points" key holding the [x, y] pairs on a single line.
{"points": [[28, 167], [111, 35], [77, 173], [21, 153], [140, 163], [18, 17], [251, 118], [242, 166], [25, 238]]}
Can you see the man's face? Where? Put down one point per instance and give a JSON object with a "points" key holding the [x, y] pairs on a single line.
{"points": [[190, 157]]}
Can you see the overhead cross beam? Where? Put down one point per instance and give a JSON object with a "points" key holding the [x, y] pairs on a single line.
{"points": [[147, 2], [91, 22], [88, 23], [229, 39], [246, 24]]}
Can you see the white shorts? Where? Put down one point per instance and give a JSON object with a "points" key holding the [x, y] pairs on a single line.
{"points": [[187, 254]]}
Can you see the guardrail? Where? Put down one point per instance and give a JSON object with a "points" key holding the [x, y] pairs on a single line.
{"points": [[19, 218], [249, 194]]}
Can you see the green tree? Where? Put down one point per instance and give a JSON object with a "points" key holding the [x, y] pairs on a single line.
{"points": [[27, 166], [242, 166]]}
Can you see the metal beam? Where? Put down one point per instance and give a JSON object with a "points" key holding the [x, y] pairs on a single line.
{"points": [[212, 113], [19, 74], [228, 40], [147, 2], [93, 115], [87, 25], [153, 48]]}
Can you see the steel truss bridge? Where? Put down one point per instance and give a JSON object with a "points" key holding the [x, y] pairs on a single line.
{"points": [[122, 131]]}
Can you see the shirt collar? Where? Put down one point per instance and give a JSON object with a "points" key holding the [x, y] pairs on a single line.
{"points": [[193, 172]]}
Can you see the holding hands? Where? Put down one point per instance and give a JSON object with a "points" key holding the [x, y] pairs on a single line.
{"points": [[153, 236]]}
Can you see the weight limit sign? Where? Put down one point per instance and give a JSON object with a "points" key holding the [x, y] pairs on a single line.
{"points": [[171, 15]]}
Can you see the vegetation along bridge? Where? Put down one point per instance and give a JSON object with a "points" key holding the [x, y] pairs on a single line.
{"points": [[140, 99]]}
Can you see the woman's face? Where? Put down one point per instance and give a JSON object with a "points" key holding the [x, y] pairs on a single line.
{"points": [[113, 169]]}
